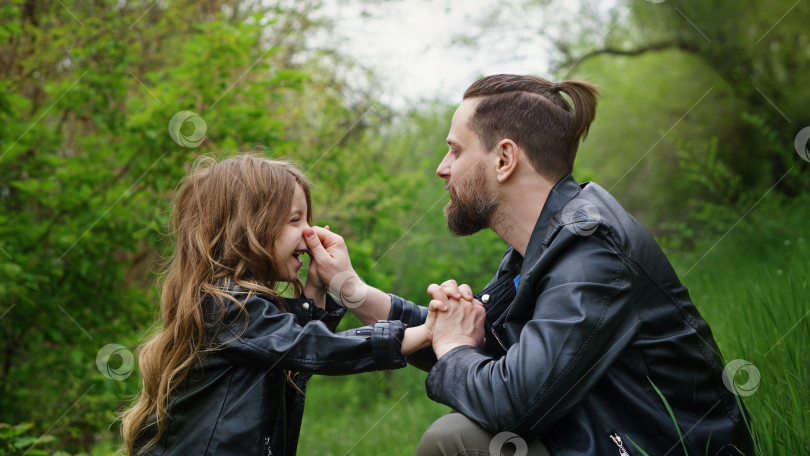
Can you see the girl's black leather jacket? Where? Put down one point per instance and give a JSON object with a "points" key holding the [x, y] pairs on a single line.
{"points": [[237, 400]]}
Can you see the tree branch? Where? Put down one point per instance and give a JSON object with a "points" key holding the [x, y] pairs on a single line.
{"points": [[654, 47]]}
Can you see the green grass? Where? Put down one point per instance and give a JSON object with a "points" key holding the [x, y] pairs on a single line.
{"points": [[752, 289], [368, 414]]}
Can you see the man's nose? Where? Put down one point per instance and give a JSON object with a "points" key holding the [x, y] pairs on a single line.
{"points": [[443, 170]]}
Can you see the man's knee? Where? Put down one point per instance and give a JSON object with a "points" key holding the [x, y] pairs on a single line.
{"points": [[456, 435]]}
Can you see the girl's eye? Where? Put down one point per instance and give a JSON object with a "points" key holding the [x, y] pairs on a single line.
{"points": [[295, 220]]}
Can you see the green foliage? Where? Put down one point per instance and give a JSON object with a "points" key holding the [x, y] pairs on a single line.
{"points": [[720, 198], [15, 440], [641, 121], [655, 65]]}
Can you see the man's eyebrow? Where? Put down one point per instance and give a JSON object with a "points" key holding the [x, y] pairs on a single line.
{"points": [[452, 143]]}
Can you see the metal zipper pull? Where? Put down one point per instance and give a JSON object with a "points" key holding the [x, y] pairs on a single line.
{"points": [[618, 441], [498, 339], [267, 447]]}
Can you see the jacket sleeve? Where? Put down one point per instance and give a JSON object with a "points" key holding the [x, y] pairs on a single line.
{"points": [[276, 340], [581, 323], [413, 315]]}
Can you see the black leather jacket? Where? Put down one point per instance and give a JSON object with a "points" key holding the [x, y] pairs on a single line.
{"points": [[237, 401], [573, 357]]}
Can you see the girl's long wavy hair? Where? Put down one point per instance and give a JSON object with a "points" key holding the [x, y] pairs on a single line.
{"points": [[226, 218]]}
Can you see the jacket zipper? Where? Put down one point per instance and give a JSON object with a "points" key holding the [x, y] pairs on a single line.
{"points": [[497, 323], [618, 441], [269, 451], [498, 339]]}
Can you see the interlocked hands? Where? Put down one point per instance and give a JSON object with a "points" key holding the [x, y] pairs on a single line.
{"points": [[461, 318]]}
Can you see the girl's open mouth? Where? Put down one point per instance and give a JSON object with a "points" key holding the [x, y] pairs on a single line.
{"points": [[296, 254]]}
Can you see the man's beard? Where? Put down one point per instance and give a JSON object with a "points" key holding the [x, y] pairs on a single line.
{"points": [[472, 206]]}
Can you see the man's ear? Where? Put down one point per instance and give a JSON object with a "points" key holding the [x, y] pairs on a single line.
{"points": [[507, 155]]}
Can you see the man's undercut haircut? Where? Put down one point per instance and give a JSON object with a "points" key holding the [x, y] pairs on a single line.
{"points": [[532, 112]]}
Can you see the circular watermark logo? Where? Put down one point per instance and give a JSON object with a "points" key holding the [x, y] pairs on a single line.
{"points": [[506, 438], [179, 120], [741, 377], [105, 356], [580, 217], [802, 147], [349, 288]]}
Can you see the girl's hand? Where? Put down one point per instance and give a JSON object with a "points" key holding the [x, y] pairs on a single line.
{"points": [[434, 308], [419, 337]]}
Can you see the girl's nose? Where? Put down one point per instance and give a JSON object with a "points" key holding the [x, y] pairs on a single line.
{"points": [[302, 243]]}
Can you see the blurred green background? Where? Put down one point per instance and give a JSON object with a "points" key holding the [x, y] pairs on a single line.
{"points": [[702, 102]]}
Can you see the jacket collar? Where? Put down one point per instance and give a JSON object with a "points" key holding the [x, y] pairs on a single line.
{"points": [[563, 191]]}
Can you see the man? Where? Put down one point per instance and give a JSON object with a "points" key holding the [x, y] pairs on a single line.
{"points": [[590, 338]]}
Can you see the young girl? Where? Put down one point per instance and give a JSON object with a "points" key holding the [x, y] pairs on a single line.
{"points": [[227, 372]]}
